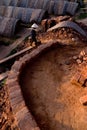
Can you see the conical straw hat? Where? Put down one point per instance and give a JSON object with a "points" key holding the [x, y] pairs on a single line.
{"points": [[34, 25]]}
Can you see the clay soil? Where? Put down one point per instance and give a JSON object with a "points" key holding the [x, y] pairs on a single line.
{"points": [[49, 92], [51, 96]]}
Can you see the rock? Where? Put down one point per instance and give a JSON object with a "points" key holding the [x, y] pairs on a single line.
{"points": [[81, 79], [85, 83], [65, 35], [83, 100], [85, 58], [82, 53], [73, 39], [63, 29], [48, 23], [75, 57], [75, 79], [78, 61]]}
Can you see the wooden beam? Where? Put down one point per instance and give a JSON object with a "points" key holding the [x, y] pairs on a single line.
{"points": [[5, 51], [15, 55]]}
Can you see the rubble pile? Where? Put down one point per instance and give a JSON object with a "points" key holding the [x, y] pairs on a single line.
{"points": [[80, 77], [65, 35]]}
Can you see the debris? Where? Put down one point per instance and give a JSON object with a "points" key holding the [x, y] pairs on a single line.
{"points": [[75, 57], [69, 24], [75, 79], [73, 39], [48, 23], [83, 100], [80, 77], [85, 58], [82, 53], [78, 61]]}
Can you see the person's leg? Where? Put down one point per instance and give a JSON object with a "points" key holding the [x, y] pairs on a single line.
{"points": [[35, 40], [31, 41]]}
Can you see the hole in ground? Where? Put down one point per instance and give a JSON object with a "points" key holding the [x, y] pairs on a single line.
{"points": [[50, 96]]}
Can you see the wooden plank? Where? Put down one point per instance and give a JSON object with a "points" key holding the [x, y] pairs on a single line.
{"points": [[6, 50], [15, 55]]}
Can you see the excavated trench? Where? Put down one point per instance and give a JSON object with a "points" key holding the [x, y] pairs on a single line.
{"points": [[49, 93]]}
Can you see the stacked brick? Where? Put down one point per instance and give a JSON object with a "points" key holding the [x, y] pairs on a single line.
{"points": [[21, 112]]}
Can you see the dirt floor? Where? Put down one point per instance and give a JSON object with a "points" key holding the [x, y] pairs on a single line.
{"points": [[50, 86], [50, 92]]}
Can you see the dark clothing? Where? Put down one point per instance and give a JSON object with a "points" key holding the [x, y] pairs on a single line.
{"points": [[33, 36], [33, 33]]}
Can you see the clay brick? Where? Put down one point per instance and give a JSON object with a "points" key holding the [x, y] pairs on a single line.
{"points": [[75, 79], [81, 80]]}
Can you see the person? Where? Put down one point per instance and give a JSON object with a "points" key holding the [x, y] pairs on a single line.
{"points": [[33, 37], [33, 34]]}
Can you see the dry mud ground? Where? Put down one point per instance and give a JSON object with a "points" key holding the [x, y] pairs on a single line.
{"points": [[53, 100], [50, 93]]}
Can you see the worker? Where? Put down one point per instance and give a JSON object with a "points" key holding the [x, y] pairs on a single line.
{"points": [[32, 36]]}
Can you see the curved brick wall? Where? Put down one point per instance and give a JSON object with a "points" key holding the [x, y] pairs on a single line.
{"points": [[24, 118]]}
